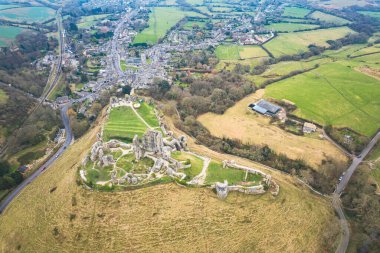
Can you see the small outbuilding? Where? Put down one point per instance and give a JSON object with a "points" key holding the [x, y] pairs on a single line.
{"points": [[309, 128]]}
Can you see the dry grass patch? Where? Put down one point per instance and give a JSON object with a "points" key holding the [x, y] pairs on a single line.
{"points": [[239, 123], [165, 218]]}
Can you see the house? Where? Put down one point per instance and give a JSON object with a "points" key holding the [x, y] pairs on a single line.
{"points": [[309, 128], [23, 169], [266, 108]]}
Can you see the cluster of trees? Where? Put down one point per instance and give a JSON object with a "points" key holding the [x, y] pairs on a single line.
{"points": [[215, 93], [347, 138], [363, 205], [8, 178], [15, 62], [200, 59]]}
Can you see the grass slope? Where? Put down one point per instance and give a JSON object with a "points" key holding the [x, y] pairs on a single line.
{"points": [[290, 27], [3, 97], [333, 94], [297, 42], [28, 14], [161, 19], [123, 124], [236, 52], [8, 34], [328, 18], [374, 14], [161, 218], [295, 12]]}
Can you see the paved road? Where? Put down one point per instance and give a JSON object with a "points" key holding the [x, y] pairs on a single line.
{"points": [[340, 188], [355, 163], [69, 138]]}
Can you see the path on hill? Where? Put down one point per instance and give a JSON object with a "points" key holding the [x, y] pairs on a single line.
{"points": [[340, 188], [41, 169], [201, 177]]}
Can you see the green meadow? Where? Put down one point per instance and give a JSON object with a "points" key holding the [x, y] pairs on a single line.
{"points": [[86, 22], [290, 27], [8, 34], [374, 14], [28, 14], [333, 94], [295, 12], [123, 124], [161, 19], [3, 97], [237, 52], [329, 18], [297, 42]]}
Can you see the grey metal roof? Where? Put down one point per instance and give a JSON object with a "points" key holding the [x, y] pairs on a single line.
{"points": [[268, 106]]}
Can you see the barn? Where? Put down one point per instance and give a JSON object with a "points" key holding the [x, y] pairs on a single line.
{"points": [[266, 108]]}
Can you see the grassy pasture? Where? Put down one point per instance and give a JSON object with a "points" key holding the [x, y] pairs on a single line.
{"points": [[161, 19], [190, 24], [86, 22], [8, 6], [374, 14], [3, 97], [194, 2], [295, 12], [236, 52], [366, 50], [328, 18], [290, 27], [8, 34], [27, 14], [74, 218], [339, 4], [196, 163], [297, 42], [146, 111], [123, 124], [333, 94]]}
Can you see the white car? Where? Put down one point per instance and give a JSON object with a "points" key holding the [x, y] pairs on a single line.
{"points": [[340, 179]]}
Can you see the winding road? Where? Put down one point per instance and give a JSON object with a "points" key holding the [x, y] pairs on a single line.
{"points": [[340, 188], [40, 170]]}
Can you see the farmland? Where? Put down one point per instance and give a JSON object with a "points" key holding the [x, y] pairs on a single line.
{"points": [[3, 97], [295, 12], [329, 18], [123, 124], [290, 27], [235, 52], [71, 217], [86, 22], [333, 94], [374, 14], [161, 19], [27, 14], [8, 34], [296, 42]]}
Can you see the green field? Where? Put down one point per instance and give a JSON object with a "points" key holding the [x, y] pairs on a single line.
{"points": [[321, 16], [123, 124], [297, 42], [295, 12], [333, 94], [216, 173], [290, 27], [161, 19], [146, 111], [190, 24], [8, 6], [194, 2], [236, 52], [8, 34], [3, 97], [86, 22], [374, 14], [196, 163], [28, 14]]}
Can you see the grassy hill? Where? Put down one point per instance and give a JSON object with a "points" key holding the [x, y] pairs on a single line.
{"points": [[54, 214]]}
